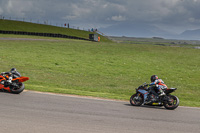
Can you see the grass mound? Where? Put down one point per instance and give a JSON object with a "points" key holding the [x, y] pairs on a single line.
{"points": [[10, 25]]}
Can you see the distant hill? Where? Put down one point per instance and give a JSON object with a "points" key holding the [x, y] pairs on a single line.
{"points": [[192, 34], [134, 30], [148, 31], [10, 25]]}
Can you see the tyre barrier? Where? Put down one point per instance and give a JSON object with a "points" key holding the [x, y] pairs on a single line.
{"points": [[42, 34]]}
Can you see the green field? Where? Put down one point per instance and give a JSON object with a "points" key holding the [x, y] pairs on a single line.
{"points": [[108, 70]]}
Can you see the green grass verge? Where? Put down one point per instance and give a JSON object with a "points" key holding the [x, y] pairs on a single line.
{"points": [[108, 70]]}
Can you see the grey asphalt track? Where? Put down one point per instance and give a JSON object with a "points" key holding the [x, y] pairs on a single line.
{"points": [[32, 112]]}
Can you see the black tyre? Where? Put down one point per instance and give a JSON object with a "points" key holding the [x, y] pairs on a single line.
{"points": [[19, 89], [172, 102], [136, 99]]}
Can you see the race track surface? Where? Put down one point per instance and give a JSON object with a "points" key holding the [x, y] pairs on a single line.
{"points": [[32, 112]]}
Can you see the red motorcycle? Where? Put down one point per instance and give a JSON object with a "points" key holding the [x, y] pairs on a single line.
{"points": [[12, 81]]}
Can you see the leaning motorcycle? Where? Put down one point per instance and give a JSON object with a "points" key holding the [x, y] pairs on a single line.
{"points": [[12, 81], [168, 101]]}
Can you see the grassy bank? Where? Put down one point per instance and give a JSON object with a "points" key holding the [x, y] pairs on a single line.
{"points": [[109, 70], [10, 25]]}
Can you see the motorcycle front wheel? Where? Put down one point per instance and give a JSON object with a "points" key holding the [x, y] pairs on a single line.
{"points": [[19, 89], [136, 99], [172, 102]]}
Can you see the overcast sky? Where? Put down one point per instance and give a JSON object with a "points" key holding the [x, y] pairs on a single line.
{"points": [[170, 16]]}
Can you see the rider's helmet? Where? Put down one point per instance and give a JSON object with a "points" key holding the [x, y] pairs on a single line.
{"points": [[13, 70], [153, 78]]}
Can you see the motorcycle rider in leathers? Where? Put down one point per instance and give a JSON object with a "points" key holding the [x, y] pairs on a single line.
{"points": [[157, 84], [8, 80]]}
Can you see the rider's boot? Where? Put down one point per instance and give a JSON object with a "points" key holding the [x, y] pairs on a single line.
{"points": [[147, 102], [161, 92]]}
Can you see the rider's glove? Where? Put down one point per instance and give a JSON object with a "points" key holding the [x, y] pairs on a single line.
{"points": [[2, 73], [147, 85]]}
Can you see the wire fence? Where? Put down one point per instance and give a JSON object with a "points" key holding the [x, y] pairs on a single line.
{"points": [[45, 22]]}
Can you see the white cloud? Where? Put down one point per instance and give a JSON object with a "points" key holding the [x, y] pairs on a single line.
{"points": [[118, 18]]}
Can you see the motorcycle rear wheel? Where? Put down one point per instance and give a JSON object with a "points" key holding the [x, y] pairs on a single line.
{"points": [[172, 102], [136, 99]]}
